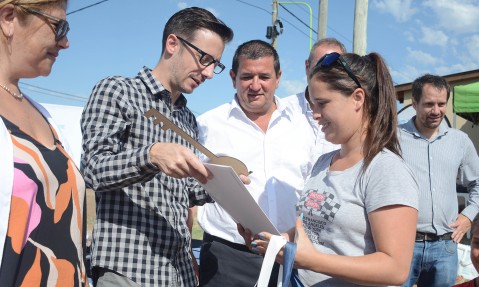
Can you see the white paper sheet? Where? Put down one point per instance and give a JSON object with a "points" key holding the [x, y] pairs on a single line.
{"points": [[227, 189]]}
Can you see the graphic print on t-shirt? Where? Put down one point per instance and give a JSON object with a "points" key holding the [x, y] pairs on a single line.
{"points": [[319, 205], [319, 210]]}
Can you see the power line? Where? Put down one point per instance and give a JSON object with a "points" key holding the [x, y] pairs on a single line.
{"points": [[294, 26], [249, 4], [53, 93], [270, 13], [86, 7], [304, 10], [307, 25], [329, 27], [344, 37]]}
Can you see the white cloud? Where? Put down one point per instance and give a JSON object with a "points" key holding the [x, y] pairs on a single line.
{"points": [[410, 72], [433, 37], [453, 69], [292, 86], [405, 75], [453, 42], [401, 10], [182, 5], [459, 16], [421, 57], [409, 36], [472, 47]]}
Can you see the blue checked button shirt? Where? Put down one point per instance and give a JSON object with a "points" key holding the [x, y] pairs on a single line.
{"points": [[140, 230]]}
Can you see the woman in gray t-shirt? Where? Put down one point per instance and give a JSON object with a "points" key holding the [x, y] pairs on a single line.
{"points": [[359, 207]]}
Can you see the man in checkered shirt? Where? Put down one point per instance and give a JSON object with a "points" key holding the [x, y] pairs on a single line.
{"points": [[143, 176]]}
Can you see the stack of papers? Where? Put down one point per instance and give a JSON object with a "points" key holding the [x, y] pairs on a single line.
{"points": [[227, 189]]}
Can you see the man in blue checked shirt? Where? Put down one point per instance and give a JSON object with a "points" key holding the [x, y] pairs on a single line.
{"points": [[143, 176], [440, 157]]}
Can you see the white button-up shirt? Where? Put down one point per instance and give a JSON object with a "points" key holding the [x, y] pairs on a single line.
{"points": [[281, 160]]}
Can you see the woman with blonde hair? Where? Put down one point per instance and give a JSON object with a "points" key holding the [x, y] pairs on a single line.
{"points": [[42, 193]]}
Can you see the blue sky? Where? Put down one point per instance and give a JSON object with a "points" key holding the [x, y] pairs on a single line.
{"points": [[119, 37]]}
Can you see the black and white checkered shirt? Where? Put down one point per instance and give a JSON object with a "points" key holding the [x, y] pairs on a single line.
{"points": [[140, 229]]}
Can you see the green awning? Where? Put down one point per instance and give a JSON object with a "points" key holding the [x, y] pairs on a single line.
{"points": [[466, 102]]}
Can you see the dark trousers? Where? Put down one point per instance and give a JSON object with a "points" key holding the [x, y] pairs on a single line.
{"points": [[223, 263]]}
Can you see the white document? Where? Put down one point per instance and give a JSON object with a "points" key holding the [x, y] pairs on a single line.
{"points": [[227, 189]]}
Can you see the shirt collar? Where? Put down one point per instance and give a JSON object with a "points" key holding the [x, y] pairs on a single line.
{"points": [[280, 107], [410, 127], [157, 89]]}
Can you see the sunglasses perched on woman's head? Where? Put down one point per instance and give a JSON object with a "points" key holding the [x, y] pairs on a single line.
{"points": [[61, 26], [335, 58]]}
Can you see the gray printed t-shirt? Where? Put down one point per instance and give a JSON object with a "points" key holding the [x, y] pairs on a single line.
{"points": [[335, 206]]}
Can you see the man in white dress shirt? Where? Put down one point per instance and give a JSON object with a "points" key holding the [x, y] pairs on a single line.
{"points": [[300, 101], [275, 141]]}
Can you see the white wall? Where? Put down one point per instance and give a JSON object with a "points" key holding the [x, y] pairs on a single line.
{"points": [[68, 121]]}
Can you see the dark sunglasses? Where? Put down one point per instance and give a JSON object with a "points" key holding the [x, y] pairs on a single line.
{"points": [[332, 58], [61, 26], [205, 58]]}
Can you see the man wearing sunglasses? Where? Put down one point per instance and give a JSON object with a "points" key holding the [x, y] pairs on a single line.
{"points": [[300, 101], [143, 176]]}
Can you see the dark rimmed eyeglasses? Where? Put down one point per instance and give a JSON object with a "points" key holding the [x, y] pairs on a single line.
{"points": [[61, 26], [332, 58], [205, 58]]}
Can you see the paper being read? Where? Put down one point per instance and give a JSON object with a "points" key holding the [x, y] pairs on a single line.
{"points": [[227, 189]]}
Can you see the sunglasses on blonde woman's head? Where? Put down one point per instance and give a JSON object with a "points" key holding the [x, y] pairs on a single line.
{"points": [[330, 59], [61, 26], [205, 58]]}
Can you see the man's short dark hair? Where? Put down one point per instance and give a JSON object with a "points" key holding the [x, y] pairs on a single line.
{"points": [[436, 81], [256, 49], [186, 22]]}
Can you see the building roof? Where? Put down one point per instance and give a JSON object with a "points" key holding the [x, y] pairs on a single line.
{"points": [[452, 79]]}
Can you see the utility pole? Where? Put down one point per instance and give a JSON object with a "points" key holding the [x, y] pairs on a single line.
{"points": [[322, 19], [275, 18], [360, 27]]}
